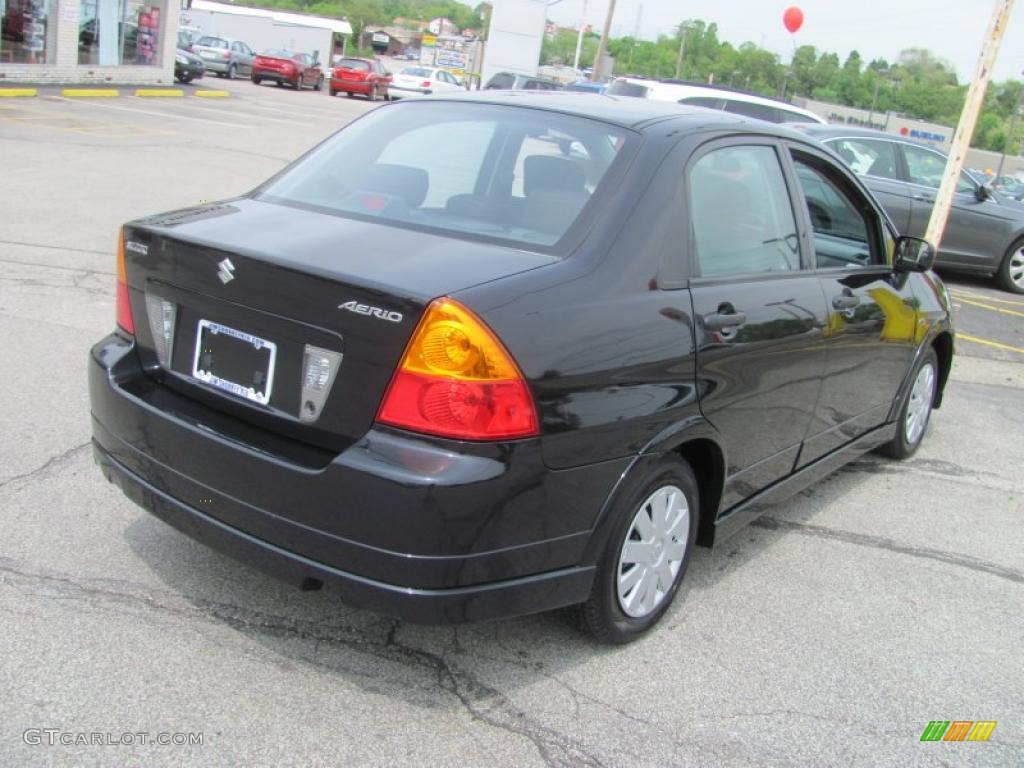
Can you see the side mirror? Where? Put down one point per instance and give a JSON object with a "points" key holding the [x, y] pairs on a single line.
{"points": [[913, 255], [983, 192]]}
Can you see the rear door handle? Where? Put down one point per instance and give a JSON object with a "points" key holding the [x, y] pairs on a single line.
{"points": [[924, 198], [719, 321], [845, 301]]}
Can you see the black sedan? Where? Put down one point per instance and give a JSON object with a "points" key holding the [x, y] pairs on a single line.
{"points": [[500, 353], [187, 66], [984, 233]]}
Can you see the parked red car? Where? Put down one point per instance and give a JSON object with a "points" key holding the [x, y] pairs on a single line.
{"points": [[287, 67], [364, 76]]}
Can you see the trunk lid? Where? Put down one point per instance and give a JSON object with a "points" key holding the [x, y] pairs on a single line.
{"points": [[213, 289]]}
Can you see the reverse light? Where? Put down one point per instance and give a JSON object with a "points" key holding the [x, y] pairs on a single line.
{"points": [[319, 367], [162, 315], [124, 308], [457, 380]]}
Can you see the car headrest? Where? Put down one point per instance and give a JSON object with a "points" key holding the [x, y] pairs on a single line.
{"points": [[547, 172], [402, 181]]}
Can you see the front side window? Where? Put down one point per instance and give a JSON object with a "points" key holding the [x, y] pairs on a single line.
{"points": [[505, 173], [840, 218], [868, 157], [927, 168], [29, 31], [118, 32], [741, 213]]}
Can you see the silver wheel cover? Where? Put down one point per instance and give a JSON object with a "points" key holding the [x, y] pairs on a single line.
{"points": [[1016, 267], [653, 552], [920, 404]]}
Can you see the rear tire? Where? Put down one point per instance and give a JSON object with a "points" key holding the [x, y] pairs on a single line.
{"points": [[374, 95], [654, 527], [320, 83], [257, 80], [1011, 270], [333, 92], [916, 411]]}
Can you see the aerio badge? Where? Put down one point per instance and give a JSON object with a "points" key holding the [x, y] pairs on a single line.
{"points": [[139, 248], [366, 309], [226, 271]]}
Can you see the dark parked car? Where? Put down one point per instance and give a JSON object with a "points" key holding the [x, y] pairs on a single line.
{"points": [[366, 77], [187, 66], [984, 233], [491, 354], [287, 68], [510, 81]]}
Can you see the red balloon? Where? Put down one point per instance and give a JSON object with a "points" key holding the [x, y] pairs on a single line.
{"points": [[793, 19]]}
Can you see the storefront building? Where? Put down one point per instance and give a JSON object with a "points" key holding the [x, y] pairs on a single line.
{"points": [[88, 41]]}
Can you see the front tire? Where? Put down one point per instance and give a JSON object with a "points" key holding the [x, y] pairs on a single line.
{"points": [[231, 72], [648, 550], [374, 93], [1011, 270], [256, 80], [320, 83], [917, 409]]}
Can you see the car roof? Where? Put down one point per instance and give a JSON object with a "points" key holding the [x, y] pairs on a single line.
{"points": [[626, 111], [823, 132], [677, 89]]}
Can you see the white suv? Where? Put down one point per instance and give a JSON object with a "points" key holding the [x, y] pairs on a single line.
{"points": [[737, 102]]}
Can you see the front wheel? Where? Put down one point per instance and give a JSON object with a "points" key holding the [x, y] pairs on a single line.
{"points": [[231, 72], [320, 83], [256, 80], [916, 410], [374, 93], [645, 558], [1011, 270]]}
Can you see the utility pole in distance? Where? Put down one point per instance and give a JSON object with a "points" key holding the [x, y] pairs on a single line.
{"points": [[602, 46], [968, 119]]}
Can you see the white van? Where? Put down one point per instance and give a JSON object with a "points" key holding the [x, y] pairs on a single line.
{"points": [[738, 102]]}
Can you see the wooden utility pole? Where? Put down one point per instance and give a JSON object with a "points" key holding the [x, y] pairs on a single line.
{"points": [[968, 119], [602, 46]]}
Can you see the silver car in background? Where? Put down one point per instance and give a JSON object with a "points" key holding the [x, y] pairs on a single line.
{"points": [[223, 56]]}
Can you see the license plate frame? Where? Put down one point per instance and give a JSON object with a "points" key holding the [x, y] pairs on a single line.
{"points": [[203, 370]]}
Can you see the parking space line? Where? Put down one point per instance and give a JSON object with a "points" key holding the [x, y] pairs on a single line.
{"points": [[235, 112], [988, 343], [990, 307], [963, 294], [154, 113]]}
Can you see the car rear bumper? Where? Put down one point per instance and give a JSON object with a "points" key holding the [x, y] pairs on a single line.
{"points": [[403, 526], [352, 86], [398, 92], [277, 77], [216, 65]]}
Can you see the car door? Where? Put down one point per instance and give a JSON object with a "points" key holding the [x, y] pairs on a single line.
{"points": [[879, 165], [760, 311], [872, 313], [977, 232]]}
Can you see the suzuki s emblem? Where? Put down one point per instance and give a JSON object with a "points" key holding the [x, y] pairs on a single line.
{"points": [[226, 271]]}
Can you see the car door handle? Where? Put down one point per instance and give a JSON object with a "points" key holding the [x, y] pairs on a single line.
{"points": [[845, 301], [924, 198], [720, 321]]}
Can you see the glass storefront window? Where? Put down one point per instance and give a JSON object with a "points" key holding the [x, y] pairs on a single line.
{"points": [[113, 32], [28, 29]]}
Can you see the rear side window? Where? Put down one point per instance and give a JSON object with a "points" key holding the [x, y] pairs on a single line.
{"points": [[503, 173], [624, 88], [212, 42], [741, 213], [868, 157], [415, 72], [356, 64], [702, 101], [759, 111], [502, 80]]}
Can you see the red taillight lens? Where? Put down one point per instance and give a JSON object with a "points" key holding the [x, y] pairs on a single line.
{"points": [[124, 309], [457, 380], [226, 55], [425, 84]]}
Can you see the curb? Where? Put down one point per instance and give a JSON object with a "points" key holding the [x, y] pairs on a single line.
{"points": [[90, 93], [14, 93], [159, 92], [212, 94]]}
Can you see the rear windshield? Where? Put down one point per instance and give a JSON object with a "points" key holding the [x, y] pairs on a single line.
{"points": [[477, 170], [212, 42], [416, 72], [357, 64], [623, 88], [277, 53]]}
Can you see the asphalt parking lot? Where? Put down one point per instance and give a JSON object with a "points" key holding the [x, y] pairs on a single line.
{"points": [[829, 633]]}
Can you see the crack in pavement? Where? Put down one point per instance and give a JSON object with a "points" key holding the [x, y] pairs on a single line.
{"points": [[52, 248], [49, 464], [881, 542], [483, 703]]}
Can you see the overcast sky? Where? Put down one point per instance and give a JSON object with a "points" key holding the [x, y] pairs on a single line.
{"points": [[952, 29]]}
